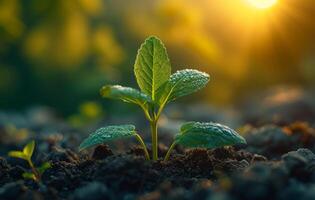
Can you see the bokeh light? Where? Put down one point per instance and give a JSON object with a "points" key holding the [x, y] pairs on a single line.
{"points": [[262, 4]]}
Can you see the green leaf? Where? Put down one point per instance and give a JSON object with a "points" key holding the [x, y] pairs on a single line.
{"points": [[207, 135], [126, 94], [18, 154], [29, 149], [182, 83], [152, 67], [28, 175], [27, 152], [44, 167], [107, 134]]}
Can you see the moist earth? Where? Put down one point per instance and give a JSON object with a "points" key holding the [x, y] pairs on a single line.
{"points": [[278, 162], [259, 170]]}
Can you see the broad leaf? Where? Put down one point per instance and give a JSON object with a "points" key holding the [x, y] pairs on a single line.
{"points": [[182, 83], [207, 135], [29, 149], [152, 67], [126, 94], [28, 175], [18, 154], [107, 134], [44, 167]]}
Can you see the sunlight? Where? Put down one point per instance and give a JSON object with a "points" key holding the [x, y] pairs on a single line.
{"points": [[262, 4]]}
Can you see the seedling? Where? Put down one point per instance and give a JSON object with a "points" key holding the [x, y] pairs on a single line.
{"points": [[26, 154], [158, 87]]}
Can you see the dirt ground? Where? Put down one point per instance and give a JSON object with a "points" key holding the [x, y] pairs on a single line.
{"points": [[277, 163]]}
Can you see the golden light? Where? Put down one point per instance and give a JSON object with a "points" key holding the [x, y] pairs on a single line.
{"points": [[262, 4]]}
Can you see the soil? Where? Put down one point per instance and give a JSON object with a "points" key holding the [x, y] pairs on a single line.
{"points": [[277, 163]]}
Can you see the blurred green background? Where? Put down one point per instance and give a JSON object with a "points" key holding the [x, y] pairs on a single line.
{"points": [[60, 52]]}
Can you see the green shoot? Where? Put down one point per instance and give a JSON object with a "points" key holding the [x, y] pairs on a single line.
{"points": [[158, 87], [26, 154]]}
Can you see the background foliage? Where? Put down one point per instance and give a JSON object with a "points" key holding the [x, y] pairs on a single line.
{"points": [[59, 53]]}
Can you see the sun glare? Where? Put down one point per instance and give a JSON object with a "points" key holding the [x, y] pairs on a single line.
{"points": [[262, 4]]}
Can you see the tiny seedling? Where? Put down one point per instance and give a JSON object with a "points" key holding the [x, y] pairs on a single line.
{"points": [[159, 87], [26, 154]]}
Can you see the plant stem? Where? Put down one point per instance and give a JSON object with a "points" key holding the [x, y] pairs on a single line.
{"points": [[34, 170], [167, 156], [153, 125], [143, 146], [146, 113]]}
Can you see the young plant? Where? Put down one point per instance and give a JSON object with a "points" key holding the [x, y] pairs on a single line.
{"points": [[26, 154], [158, 88]]}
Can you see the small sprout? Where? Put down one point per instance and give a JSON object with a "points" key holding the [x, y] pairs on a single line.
{"points": [[158, 87], [26, 154]]}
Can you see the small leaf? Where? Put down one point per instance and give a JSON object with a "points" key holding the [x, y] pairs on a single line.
{"points": [[28, 175], [207, 135], [127, 94], [182, 83], [152, 67], [29, 149], [44, 167], [18, 154], [106, 134]]}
